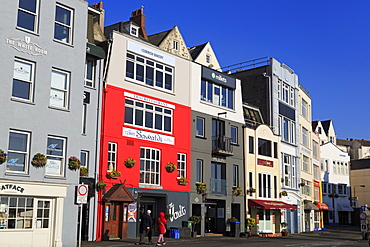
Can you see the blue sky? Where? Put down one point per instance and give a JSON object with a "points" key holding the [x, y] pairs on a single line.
{"points": [[325, 42]]}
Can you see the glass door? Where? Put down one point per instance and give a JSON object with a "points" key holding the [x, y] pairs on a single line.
{"points": [[42, 222]]}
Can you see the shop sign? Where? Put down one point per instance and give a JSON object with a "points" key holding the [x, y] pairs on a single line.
{"points": [[26, 46], [218, 77], [148, 136], [131, 217], [149, 100], [11, 188], [176, 214], [262, 162], [150, 53]]}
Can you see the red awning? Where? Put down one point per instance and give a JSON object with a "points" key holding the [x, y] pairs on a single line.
{"points": [[322, 206], [269, 204]]}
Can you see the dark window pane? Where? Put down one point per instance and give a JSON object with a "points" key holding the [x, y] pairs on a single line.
{"points": [[129, 113], [63, 15], [159, 79], [167, 124], [61, 33], [138, 117], [18, 141], [26, 20], [130, 69], [149, 76], [55, 146], [203, 90], [21, 89], [149, 119], [210, 91], [200, 125], [15, 162], [130, 56], [158, 122], [150, 62], [168, 82], [168, 69], [139, 72], [140, 59], [29, 5]]}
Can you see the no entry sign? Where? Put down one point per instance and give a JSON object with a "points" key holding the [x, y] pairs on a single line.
{"points": [[82, 191]]}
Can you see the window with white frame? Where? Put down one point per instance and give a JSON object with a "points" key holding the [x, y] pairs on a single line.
{"points": [[217, 94], [148, 116], [18, 151], [306, 164], [200, 126], [305, 137], [264, 147], [304, 109], [23, 79], [250, 178], [342, 189], [275, 186], [235, 176], [264, 185], [306, 189], [112, 156], [285, 93], [293, 173], [234, 135], [315, 150], [292, 96], [345, 169], [199, 171], [149, 166], [134, 31], [90, 73], [28, 11], [59, 88], [287, 129], [149, 72], [334, 167], [286, 160], [84, 157], [316, 172], [55, 154], [181, 165], [279, 88], [63, 24], [175, 45], [317, 193]]}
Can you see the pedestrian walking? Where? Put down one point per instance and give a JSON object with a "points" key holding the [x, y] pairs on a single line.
{"points": [[162, 225], [146, 224]]}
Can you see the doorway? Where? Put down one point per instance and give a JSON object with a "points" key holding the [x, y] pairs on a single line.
{"points": [[112, 221]]}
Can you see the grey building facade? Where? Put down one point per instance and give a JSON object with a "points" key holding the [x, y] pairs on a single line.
{"points": [[43, 46]]}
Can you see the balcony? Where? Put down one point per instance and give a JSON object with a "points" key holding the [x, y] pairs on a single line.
{"points": [[218, 187], [222, 145]]}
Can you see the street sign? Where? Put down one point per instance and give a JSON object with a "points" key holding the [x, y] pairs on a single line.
{"points": [[363, 208], [363, 226], [82, 191], [363, 216]]}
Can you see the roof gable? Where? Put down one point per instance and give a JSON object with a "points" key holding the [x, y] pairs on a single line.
{"points": [[205, 55]]}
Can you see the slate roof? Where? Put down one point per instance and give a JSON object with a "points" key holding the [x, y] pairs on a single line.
{"points": [[326, 125], [343, 142], [196, 50], [363, 142], [314, 125], [156, 39]]}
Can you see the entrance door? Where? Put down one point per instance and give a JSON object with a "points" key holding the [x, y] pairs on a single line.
{"points": [[42, 222], [211, 220], [265, 224], [307, 220], [112, 221]]}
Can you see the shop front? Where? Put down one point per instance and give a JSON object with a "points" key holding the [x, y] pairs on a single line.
{"points": [[31, 213]]}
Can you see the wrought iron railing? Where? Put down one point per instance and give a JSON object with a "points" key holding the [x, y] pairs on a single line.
{"points": [[222, 145]]}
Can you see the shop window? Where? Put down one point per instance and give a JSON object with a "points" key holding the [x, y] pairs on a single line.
{"points": [[16, 212], [59, 88], [18, 151], [55, 154], [63, 24], [23, 80], [181, 165], [150, 166], [28, 11]]}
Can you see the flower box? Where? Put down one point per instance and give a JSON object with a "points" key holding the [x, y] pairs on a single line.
{"points": [[201, 188], [182, 181], [84, 172], [100, 185], [113, 174]]}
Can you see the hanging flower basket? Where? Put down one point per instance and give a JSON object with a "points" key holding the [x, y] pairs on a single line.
{"points": [[130, 162], [3, 156], [74, 163], [84, 172], [113, 174], [170, 167], [251, 190], [237, 191], [39, 160], [100, 185], [182, 181], [284, 193], [201, 188]]}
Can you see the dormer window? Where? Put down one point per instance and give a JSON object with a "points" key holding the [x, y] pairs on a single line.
{"points": [[134, 31], [175, 45]]}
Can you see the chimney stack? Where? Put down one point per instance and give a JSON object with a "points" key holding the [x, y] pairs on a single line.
{"points": [[138, 18]]}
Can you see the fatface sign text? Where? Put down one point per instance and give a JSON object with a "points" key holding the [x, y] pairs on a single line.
{"points": [[11, 188]]}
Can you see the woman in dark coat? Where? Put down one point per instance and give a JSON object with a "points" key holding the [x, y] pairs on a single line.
{"points": [[161, 223]]}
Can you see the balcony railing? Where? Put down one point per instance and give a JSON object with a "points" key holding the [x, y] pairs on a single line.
{"points": [[222, 145], [218, 186]]}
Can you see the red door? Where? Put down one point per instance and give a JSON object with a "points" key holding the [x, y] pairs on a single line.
{"points": [[112, 220]]}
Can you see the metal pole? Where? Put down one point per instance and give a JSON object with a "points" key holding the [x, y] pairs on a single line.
{"points": [[80, 226]]}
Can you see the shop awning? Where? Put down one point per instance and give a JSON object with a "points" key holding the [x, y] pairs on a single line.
{"points": [[310, 206], [266, 204], [322, 206], [344, 207], [118, 192]]}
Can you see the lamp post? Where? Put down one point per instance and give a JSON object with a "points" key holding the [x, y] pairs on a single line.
{"points": [[354, 194]]}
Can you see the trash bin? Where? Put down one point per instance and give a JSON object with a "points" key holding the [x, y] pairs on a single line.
{"points": [[187, 224], [234, 228], [174, 233]]}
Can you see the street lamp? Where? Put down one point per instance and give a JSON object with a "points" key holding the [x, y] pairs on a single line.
{"points": [[354, 194]]}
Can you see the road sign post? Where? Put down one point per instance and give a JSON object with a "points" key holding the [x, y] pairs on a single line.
{"points": [[82, 191]]}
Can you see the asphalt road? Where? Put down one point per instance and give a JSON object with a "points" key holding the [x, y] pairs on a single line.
{"points": [[343, 236]]}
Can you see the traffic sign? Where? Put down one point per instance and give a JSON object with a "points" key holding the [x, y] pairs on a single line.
{"points": [[363, 216], [82, 191]]}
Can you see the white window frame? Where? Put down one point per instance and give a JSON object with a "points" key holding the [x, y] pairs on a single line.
{"points": [[235, 176], [285, 94], [287, 169], [51, 157], [84, 118], [199, 170], [203, 126], [292, 96], [175, 45], [86, 154], [208, 58], [304, 109], [25, 152], [35, 14], [134, 31], [265, 189], [30, 80], [90, 82], [305, 136], [306, 164], [112, 156], [215, 99], [150, 176], [62, 91], [68, 27], [236, 135], [181, 165]]}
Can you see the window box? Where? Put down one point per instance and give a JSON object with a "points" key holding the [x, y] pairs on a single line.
{"points": [[113, 174], [100, 185], [84, 172], [182, 181]]}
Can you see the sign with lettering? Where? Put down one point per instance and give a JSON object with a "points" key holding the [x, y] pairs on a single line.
{"points": [[218, 77], [26, 46], [150, 53], [148, 136], [149, 100], [11, 188], [176, 214], [262, 162]]}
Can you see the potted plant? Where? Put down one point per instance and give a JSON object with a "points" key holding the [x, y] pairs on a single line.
{"points": [[182, 181], [250, 222], [251, 190], [196, 220], [39, 160], [201, 188], [284, 193], [284, 231], [100, 185], [170, 167], [74, 163], [302, 184], [237, 191], [3, 156], [113, 174], [130, 162], [84, 171]]}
